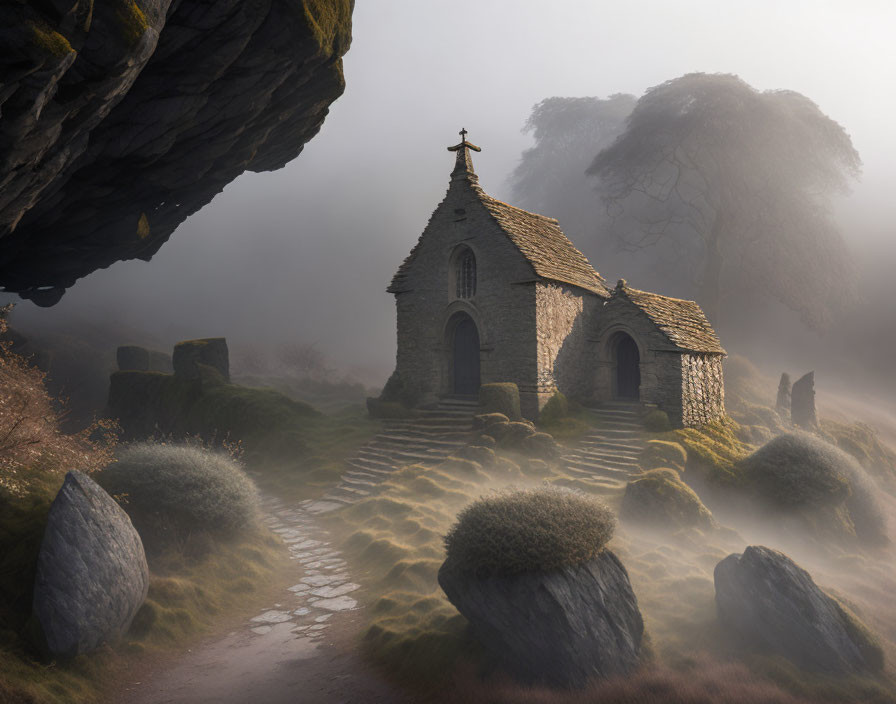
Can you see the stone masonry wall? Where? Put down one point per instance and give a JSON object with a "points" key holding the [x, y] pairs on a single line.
{"points": [[660, 360], [503, 307], [703, 393], [565, 362]]}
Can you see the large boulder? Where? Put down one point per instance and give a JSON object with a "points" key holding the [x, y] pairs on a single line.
{"points": [[561, 627], [91, 571], [774, 606], [212, 352]]}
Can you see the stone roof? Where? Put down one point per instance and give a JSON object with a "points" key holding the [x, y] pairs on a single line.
{"points": [[683, 322], [538, 238], [545, 247]]}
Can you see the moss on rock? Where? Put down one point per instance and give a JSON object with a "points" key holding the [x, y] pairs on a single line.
{"points": [[500, 398], [663, 453], [660, 499]]}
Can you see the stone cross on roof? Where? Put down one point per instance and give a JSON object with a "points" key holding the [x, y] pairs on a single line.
{"points": [[463, 166]]}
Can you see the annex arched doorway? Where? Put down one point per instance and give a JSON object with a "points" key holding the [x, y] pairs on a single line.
{"points": [[465, 355], [627, 368]]}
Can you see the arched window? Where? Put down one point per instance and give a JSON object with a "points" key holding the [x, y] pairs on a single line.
{"points": [[466, 274]]}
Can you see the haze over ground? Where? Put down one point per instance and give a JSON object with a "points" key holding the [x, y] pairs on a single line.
{"points": [[305, 253]]}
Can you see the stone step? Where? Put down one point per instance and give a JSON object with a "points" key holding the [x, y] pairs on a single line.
{"points": [[613, 445], [608, 451], [410, 440], [616, 432], [593, 468], [600, 457], [619, 425], [358, 482], [365, 466], [604, 484], [366, 476]]}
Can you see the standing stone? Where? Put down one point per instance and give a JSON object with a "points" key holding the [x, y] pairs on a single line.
{"points": [[212, 351], [92, 575], [560, 628], [774, 605], [802, 402], [132, 358], [160, 362], [783, 402]]}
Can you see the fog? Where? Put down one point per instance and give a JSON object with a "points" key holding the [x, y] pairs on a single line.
{"points": [[305, 253]]}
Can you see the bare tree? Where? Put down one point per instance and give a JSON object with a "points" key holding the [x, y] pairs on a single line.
{"points": [[741, 181]]}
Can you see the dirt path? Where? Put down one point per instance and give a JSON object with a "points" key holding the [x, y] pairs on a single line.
{"points": [[301, 650]]}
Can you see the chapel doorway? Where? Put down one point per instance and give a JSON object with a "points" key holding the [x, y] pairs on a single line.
{"points": [[628, 368], [466, 356]]}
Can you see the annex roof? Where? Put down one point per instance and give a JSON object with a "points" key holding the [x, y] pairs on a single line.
{"points": [[683, 322]]}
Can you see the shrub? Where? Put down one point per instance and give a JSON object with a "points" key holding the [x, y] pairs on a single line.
{"points": [[397, 391], [657, 421], [528, 531], [801, 470], [660, 498], [663, 453], [171, 491], [797, 469], [555, 410], [501, 398]]}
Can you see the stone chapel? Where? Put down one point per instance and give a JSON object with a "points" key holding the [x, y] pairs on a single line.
{"points": [[493, 293]]}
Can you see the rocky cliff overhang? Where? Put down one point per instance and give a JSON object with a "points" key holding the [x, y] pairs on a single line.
{"points": [[120, 119]]}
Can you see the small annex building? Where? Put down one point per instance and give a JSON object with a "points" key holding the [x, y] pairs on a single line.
{"points": [[493, 293]]}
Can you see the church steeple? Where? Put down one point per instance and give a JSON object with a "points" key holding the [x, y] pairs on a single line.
{"points": [[463, 165]]}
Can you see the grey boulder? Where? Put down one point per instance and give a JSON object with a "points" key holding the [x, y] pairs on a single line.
{"points": [[92, 575], [560, 628], [774, 605]]}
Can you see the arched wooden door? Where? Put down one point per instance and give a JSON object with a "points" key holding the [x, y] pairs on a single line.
{"points": [[628, 369], [466, 357]]}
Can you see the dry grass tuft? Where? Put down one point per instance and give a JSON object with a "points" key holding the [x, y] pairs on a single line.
{"points": [[528, 531]]}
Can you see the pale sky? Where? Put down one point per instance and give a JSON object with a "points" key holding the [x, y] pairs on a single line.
{"points": [[305, 253]]}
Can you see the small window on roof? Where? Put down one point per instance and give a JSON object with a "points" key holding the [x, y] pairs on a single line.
{"points": [[466, 274]]}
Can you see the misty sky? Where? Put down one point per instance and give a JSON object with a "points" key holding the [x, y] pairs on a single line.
{"points": [[305, 253]]}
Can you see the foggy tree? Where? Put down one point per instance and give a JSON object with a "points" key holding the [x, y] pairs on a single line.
{"points": [[550, 177], [741, 182]]}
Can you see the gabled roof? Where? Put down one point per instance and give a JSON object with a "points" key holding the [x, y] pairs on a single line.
{"points": [[683, 322], [545, 247], [538, 238]]}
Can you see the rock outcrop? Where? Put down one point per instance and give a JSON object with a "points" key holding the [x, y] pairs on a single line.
{"points": [[559, 628], [802, 402], [782, 402], [119, 120], [774, 605], [91, 571], [190, 354]]}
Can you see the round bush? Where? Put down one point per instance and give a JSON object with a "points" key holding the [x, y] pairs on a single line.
{"points": [[555, 410], [798, 469], [659, 498], [528, 531], [171, 491], [500, 398], [663, 453], [802, 470], [657, 421]]}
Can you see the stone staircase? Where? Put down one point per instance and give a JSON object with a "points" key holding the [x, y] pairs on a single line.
{"points": [[606, 458], [431, 435]]}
